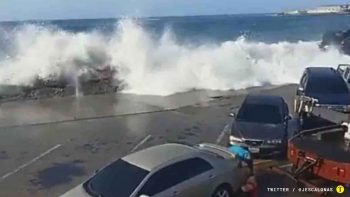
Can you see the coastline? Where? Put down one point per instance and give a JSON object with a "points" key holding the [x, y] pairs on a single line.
{"points": [[320, 14]]}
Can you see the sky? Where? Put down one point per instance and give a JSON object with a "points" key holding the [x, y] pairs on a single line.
{"points": [[68, 9]]}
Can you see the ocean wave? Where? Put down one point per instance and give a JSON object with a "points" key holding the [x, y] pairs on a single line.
{"points": [[160, 66]]}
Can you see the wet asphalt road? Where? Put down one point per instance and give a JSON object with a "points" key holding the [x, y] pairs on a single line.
{"points": [[49, 146]]}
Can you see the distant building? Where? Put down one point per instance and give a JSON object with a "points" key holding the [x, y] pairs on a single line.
{"points": [[326, 9], [329, 9]]}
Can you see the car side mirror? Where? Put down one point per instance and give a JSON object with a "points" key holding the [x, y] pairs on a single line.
{"points": [[300, 90], [232, 114]]}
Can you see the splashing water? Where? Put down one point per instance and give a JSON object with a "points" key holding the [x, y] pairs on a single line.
{"points": [[157, 66]]}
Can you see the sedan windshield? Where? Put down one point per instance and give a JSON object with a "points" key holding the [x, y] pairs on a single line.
{"points": [[119, 179], [260, 113]]}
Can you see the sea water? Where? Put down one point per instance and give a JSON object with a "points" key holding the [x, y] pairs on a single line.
{"points": [[162, 56]]}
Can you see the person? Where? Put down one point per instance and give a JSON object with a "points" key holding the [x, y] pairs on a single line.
{"points": [[250, 187], [244, 155]]}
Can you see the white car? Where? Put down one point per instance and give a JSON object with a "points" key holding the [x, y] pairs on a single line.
{"points": [[168, 170]]}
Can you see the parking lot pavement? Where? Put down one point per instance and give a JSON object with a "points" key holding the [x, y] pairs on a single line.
{"points": [[49, 158]]}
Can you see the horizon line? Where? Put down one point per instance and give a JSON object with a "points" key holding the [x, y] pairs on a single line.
{"points": [[136, 17]]}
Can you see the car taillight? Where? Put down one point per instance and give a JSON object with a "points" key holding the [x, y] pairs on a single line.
{"points": [[292, 152], [340, 171]]}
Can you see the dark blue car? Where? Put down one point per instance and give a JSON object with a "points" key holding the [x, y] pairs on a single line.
{"points": [[261, 125], [325, 86]]}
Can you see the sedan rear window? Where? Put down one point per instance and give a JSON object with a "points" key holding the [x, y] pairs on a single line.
{"points": [[119, 179], [259, 113], [327, 86]]}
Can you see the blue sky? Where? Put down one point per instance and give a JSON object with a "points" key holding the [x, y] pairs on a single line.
{"points": [[67, 9]]}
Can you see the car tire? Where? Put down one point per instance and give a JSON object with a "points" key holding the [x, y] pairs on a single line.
{"points": [[223, 191]]}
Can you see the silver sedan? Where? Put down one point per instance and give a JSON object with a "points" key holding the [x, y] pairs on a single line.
{"points": [[168, 170]]}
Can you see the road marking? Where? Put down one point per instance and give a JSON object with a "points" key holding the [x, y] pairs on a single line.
{"points": [[29, 162], [222, 135], [144, 140]]}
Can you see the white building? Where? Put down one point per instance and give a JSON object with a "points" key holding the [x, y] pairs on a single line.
{"points": [[327, 9]]}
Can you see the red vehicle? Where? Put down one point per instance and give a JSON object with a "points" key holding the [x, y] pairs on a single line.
{"points": [[325, 155], [319, 155]]}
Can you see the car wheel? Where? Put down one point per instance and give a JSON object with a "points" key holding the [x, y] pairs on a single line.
{"points": [[223, 191]]}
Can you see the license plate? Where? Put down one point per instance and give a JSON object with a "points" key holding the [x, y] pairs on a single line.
{"points": [[254, 150]]}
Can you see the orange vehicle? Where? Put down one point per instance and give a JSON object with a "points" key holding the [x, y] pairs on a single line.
{"points": [[319, 155], [325, 155]]}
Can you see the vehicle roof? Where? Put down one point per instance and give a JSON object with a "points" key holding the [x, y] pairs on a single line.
{"points": [[263, 99], [156, 156], [322, 72]]}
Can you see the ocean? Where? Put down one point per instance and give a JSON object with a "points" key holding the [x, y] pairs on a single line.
{"points": [[162, 56]]}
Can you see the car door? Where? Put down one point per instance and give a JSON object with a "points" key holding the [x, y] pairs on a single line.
{"points": [[178, 179], [200, 178], [161, 183], [302, 85], [347, 75]]}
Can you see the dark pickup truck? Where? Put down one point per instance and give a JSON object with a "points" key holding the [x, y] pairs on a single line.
{"points": [[322, 87]]}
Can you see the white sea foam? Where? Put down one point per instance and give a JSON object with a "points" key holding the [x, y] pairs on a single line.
{"points": [[157, 66]]}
